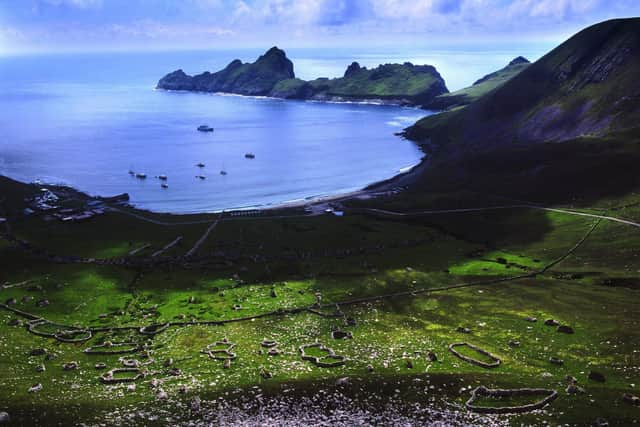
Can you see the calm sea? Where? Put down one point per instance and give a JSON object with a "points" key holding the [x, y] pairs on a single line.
{"points": [[85, 120]]}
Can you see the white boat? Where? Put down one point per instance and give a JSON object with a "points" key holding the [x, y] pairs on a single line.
{"points": [[162, 177], [163, 185], [201, 177], [141, 175]]}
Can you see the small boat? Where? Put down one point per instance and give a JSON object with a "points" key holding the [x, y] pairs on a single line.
{"points": [[223, 172], [201, 177], [132, 173], [162, 177], [163, 185], [205, 128], [250, 156], [141, 175], [200, 165]]}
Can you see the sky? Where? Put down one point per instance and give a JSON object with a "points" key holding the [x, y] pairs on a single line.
{"points": [[93, 25]]}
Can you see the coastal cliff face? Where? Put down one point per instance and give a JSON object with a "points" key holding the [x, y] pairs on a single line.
{"points": [[272, 75]]}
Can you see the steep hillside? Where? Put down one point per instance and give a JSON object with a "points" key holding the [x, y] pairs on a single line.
{"points": [[565, 129], [480, 88], [586, 86]]}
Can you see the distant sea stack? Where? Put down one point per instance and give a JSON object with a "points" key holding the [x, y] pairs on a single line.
{"points": [[272, 75]]}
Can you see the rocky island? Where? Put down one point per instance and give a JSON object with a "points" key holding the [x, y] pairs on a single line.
{"points": [[272, 75]]}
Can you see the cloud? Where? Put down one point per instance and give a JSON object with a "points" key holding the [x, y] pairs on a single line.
{"points": [[82, 4], [258, 22], [557, 9]]}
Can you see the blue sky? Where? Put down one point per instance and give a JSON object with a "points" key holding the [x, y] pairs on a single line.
{"points": [[60, 25]]}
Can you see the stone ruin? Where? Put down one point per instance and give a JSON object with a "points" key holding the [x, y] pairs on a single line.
{"points": [[495, 359], [547, 395], [225, 354], [321, 362]]}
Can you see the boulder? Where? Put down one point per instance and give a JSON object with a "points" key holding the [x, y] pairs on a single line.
{"points": [[574, 389], [556, 361], [35, 388], [341, 335], [514, 343], [463, 330], [629, 398], [531, 319], [432, 356], [196, 404], [597, 376], [565, 329], [551, 322], [4, 417], [38, 352], [70, 366], [344, 381]]}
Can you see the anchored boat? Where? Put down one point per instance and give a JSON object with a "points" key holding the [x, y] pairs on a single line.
{"points": [[205, 128]]}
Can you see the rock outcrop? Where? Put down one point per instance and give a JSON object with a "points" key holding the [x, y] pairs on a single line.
{"points": [[272, 75]]}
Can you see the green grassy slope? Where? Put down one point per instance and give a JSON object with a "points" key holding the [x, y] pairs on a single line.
{"points": [[342, 258], [479, 88]]}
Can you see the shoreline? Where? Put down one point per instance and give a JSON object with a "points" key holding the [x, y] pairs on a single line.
{"points": [[404, 177], [380, 102]]}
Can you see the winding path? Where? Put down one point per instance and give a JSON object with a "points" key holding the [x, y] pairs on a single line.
{"points": [[492, 208]]}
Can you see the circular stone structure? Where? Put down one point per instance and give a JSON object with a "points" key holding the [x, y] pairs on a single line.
{"points": [[268, 343], [334, 359], [221, 354], [547, 395], [495, 359]]}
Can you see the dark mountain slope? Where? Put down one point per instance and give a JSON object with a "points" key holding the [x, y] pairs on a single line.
{"points": [[586, 86], [565, 129]]}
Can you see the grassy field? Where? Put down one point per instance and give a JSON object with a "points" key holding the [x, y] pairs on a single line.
{"points": [[281, 266]]}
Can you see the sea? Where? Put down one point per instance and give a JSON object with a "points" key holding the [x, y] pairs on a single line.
{"points": [[88, 119]]}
